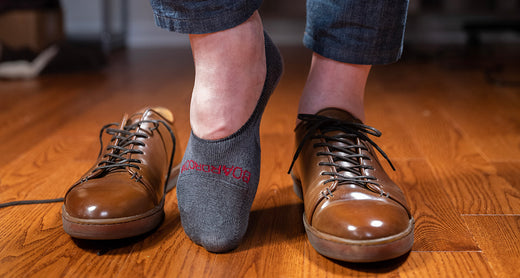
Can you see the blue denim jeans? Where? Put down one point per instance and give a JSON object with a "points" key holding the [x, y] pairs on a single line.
{"points": [[366, 32]]}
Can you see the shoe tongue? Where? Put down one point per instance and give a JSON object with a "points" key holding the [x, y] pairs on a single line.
{"points": [[143, 115], [134, 118], [124, 121], [156, 113], [347, 117], [338, 114]]}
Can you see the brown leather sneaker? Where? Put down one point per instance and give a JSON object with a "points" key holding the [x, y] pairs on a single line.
{"points": [[353, 211], [123, 194]]}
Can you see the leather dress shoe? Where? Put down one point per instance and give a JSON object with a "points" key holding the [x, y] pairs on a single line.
{"points": [[123, 194], [353, 211]]}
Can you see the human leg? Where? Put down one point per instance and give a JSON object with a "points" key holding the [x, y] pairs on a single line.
{"points": [[227, 42], [334, 84], [353, 36], [236, 69], [353, 210]]}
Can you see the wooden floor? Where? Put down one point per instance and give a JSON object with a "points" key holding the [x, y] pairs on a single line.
{"points": [[454, 138]]}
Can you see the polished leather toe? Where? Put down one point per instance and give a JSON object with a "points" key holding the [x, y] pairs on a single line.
{"points": [[111, 198], [361, 219]]}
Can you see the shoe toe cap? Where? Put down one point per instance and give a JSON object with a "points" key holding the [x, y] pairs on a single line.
{"points": [[361, 219], [102, 201]]}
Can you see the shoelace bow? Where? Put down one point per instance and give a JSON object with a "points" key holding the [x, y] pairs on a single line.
{"points": [[351, 155], [119, 158]]}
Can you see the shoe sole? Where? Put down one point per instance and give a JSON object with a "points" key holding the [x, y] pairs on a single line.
{"points": [[358, 251], [112, 228], [118, 228]]}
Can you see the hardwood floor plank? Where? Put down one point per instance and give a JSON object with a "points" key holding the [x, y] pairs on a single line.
{"points": [[488, 115], [454, 159], [396, 141], [438, 225], [498, 237], [45, 172], [510, 171], [38, 247], [27, 121], [446, 264]]}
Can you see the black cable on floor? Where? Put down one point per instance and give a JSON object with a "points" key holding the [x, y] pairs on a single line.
{"points": [[30, 202]]}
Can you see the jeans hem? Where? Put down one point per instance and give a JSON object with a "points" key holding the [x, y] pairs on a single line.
{"points": [[354, 54], [204, 25]]}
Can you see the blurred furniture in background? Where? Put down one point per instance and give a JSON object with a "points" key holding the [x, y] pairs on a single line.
{"points": [[32, 24], [36, 24]]}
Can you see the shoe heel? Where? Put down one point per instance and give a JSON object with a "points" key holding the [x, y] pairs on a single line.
{"points": [[174, 176], [297, 187]]}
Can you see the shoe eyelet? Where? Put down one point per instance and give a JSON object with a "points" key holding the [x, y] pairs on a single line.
{"points": [[327, 193]]}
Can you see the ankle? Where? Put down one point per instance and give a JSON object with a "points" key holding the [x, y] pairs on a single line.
{"points": [[334, 84]]}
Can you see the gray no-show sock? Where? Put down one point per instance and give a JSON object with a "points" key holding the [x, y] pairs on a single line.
{"points": [[219, 178]]}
